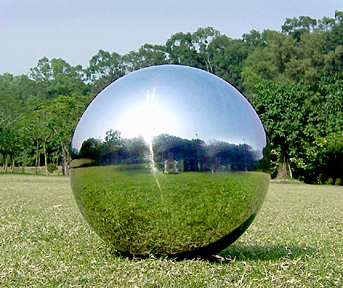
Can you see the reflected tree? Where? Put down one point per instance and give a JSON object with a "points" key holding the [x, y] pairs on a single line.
{"points": [[195, 154]]}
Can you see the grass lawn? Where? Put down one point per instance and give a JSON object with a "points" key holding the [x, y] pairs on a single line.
{"points": [[296, 240]]}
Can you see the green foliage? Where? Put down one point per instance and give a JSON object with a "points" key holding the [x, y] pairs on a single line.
{"points": [[288, 113], [331, 158], [298, 122], [56, 77], [331, 89], [104, 68], [52, 168], [281, 58], [298, 26], [147, 55]]}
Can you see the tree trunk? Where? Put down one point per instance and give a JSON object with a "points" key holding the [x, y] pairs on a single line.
{"points": [[63, 162], [36, 163], [56, 159], [66, 157], [5, 162], [24, 162], [23, 167], [66, 163], [13, 163], [45, 159], [3, 157], [208, 64], [284, 169]]}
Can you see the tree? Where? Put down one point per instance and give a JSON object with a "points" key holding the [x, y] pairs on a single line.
{"points": [[331, 158], [307, 49], [41, 133], [57, 77], [268, 60], [64, 113], [147, 55], [253, 39], [91, 149], [335, 35], [298, 26], [104, 68], [309, 57], [181, 50], [202, 40], [67, 80], [12, 110], [288, 112], [137, 149], [331, 89], [333, 60], [112, 147]]}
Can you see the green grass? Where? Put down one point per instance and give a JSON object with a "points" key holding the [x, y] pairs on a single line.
{"points": [[296, 240], [163, 214]]}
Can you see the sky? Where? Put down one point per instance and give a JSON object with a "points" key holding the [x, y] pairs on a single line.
{"points": [[75, 30]]}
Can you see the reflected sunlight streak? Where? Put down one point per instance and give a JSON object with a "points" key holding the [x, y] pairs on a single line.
{"points": [[147, 120]]}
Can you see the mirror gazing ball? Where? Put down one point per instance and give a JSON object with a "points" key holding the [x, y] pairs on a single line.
{"points": [[170, 160]]}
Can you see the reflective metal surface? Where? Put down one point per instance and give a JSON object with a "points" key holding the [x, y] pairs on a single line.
{"points": [[170, 160]]}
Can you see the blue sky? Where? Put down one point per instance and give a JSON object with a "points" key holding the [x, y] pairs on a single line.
{"points": [[76, 30]]}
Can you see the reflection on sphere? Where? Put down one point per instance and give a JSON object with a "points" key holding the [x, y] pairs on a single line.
{"points": [[169, 160]]}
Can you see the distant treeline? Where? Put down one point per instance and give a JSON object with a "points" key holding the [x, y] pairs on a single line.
{"points": [[293, 78], [195, 154]]}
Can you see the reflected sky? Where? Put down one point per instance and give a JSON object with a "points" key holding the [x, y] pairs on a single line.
{"points": [[176, 100]]}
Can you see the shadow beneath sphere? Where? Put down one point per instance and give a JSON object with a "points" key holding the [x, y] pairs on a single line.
{"points": [[235, 253], [221, 251], [240, 252], [204, 253]]}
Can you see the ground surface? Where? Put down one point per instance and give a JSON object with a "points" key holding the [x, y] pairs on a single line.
{"points": [[295, 241]]}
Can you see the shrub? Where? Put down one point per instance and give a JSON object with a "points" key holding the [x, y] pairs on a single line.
{"points": [[52, 168]]}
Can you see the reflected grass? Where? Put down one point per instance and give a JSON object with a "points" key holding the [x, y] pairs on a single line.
{"points": [[167, 214]]}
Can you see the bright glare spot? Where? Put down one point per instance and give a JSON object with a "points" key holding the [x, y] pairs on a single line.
{"points": [[147, 120]]}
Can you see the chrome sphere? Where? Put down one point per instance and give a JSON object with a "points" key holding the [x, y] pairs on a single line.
{"points": [[169, 160]]}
